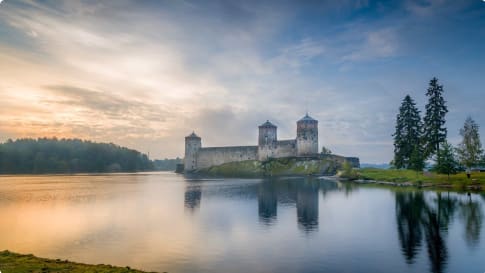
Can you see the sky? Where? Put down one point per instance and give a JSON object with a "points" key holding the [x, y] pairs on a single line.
{"points": [[144, 74]]}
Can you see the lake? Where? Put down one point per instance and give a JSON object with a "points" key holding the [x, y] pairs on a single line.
{"points": [[167, 223]]}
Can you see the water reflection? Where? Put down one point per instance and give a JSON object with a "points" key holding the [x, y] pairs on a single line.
{"points": [[175, 224], [307, 205], [429, 215], [267, 203], [193, 195], [472, 215], [301, 193], [408, 223]]}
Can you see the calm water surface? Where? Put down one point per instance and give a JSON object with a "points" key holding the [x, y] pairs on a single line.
{"points": [[165, 222]]}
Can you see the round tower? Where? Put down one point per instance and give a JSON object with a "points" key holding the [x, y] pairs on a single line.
{"points": [[306, 136], [266, 140], [192, 145]]}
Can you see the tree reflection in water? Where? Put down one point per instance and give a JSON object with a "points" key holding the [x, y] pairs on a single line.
{"points": [[408, 213], [430, 214], [472, 214]]}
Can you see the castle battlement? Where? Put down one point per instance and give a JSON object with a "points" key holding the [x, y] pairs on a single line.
{"points": [[305, 144]]}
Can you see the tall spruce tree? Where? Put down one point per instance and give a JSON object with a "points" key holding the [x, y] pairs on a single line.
{"points": [[408, 152], [470, 149], [434, 133]]}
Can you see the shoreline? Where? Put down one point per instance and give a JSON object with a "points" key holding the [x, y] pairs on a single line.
{"points": [[18, 263], [472, 187], [418, 180]]}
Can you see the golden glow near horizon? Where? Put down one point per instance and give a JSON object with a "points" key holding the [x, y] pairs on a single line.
{"points": [[76, 80], [144, 75]]}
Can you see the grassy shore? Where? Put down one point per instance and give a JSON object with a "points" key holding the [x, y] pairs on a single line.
{"points": [[18, 263], [423, 179]]}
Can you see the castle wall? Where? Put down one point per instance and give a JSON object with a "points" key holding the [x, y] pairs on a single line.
{"points": [[267, 135], [354, 161], [307, 136], [306, 147], [266, 151], [192, 147], [212, 156], [281, 148], [286, 148]]}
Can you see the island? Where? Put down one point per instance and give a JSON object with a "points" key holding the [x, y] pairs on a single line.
{"points": [[271, 157]]}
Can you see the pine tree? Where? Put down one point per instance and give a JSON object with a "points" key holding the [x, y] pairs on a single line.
{"points": [[434, 120], [416, 159], [407, 138], [447, 161], [470, 149]]}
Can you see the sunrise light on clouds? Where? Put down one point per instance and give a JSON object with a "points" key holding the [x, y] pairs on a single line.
{"points": [[145, 75]]}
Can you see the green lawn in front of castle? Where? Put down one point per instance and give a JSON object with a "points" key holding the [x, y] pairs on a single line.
{"points": [[456, 181], [18, 263]]}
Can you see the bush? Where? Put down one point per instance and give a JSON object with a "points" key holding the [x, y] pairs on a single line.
{"points": [[348, 172]]}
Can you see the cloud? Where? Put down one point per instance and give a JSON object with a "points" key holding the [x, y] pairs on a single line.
{"points": [[109, 105], [145, 75], [297, 55], [376, 44]]}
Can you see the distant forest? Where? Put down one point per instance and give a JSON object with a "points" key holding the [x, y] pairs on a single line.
{"points": [[166, 164], [51, 155]]}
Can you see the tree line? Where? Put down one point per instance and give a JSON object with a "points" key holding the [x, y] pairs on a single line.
{"points": [[52, 155], [167, 164], [417, 139]]}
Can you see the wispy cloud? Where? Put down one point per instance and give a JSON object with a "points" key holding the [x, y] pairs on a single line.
{"points": [[376, 44], [146, 74], [299, 54], [111, 106]]}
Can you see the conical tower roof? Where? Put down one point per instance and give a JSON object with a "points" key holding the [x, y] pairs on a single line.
{"points": [[267, 124], [307, 118], [193, 135]]}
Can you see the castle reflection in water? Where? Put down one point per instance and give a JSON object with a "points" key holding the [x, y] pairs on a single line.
{"points": [[303, 193], [423, 218]]}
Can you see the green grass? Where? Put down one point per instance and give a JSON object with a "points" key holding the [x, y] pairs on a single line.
{"points": [[18, 263], [457, 181]]}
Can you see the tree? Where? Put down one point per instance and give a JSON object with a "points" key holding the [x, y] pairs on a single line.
{"points": [[434, 132], [348, 171], [407, 138], [45, 155], [416, 160], [326, 151], [470, 149], [447, 163]]}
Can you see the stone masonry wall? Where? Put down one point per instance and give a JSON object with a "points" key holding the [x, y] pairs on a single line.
{"points": [[213, 156], [280, 148], [286, 148]]}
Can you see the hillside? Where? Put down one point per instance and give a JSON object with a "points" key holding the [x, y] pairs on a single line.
{"points": [[289, 166]]}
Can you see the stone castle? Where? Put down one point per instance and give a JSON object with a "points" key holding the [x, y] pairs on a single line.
{"points": [[305, 145]]}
